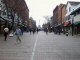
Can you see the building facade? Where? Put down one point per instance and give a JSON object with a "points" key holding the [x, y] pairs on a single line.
{"points": [[76, 19], [70, 7], [10, 16], [60, 17], [55, 17], [63, 17]]}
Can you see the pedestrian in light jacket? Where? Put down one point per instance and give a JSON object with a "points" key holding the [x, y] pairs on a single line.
{"points": [[18, 33]]}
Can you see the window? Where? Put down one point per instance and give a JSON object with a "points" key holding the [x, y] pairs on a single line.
{"points": [[77, 13], [4, 12], [74, 14], [69, 9], [68, 17]]}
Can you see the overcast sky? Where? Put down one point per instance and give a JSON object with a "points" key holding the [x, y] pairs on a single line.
{"points": [[40, 8]]}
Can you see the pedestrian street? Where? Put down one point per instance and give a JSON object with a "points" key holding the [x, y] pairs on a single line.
{"points": [[40, 46]]}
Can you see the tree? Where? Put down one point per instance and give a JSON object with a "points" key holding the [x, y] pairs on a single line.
{"points": [[47, 18], [32, 23]]}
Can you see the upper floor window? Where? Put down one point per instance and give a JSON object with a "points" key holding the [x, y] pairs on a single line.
{"points": [[69, 9], [68, 17]]}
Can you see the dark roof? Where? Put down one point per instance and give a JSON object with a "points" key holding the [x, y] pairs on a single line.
{"points": [[73, 2]]}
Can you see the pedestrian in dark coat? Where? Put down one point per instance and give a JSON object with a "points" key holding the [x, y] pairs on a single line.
{"points": [[33, 30], [46, 30], [22, 30], [6, 30], [30, 31], [37, 30]]}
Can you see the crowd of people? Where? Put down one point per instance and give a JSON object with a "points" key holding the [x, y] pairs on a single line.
{"points": [[32, 30], [18, 31]]}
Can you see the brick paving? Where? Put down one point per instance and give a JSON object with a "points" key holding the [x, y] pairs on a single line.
{"points": [[20, 51], [41, 47]]}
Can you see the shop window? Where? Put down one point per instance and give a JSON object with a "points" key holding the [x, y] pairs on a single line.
{"points": [[79, 12], [74, 14]]}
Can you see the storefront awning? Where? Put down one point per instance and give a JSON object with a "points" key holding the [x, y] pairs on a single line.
{"points": [[75, 11], [76, 23], [66, 24]]}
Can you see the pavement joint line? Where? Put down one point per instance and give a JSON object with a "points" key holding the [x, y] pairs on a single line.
{"points": [[33, 52]]}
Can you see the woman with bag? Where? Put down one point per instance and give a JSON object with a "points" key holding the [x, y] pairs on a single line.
{"points": [[6, 30]]}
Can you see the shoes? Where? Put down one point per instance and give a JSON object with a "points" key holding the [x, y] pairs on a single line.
{"points": [[19, 42], [16, 42]]}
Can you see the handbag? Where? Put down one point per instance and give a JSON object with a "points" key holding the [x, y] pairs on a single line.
{"points": [[11, 35]]}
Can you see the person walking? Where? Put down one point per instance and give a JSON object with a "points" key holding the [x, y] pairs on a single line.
{"points": [[46, 30], [37, 30], [33, 30], [6, 30], [30, 30], [18, 33], [22, 30]]}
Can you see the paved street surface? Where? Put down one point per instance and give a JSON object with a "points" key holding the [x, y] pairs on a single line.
{"points": [[41, 47]]}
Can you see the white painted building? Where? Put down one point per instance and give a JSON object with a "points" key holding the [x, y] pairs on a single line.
{"points": [[71, 5], [77, 16], [76, 19]]}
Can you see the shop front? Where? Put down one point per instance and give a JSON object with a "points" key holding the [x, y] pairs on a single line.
{"points": [[3, 23], [77, 27], [66, 26]]}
